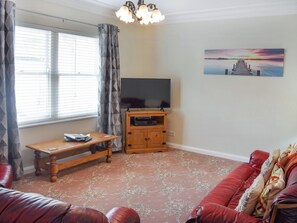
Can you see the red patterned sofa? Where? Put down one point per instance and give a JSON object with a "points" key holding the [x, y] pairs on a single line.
{"points": [[218, 206], [19, 207]]}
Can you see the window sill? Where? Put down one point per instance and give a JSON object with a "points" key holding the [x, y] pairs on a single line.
{"points": [[54, 122]]}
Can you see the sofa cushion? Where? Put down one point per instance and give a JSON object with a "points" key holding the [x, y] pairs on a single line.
{"points": [[229, 190], [246, 183], [285, 155], [273, 186], [249, 198], [288, 160]]}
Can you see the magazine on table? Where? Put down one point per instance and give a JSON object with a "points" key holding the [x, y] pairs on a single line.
{"points": [[69, 137]]}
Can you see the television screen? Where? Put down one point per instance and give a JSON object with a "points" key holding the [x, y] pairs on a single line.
{"points": [[145, 93]]}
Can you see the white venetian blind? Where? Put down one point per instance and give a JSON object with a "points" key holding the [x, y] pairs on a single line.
{"points": [[33, 69], [56, 75], [78, 68]]}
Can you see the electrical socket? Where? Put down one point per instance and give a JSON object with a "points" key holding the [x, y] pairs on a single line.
{"points": [[171, 133]]}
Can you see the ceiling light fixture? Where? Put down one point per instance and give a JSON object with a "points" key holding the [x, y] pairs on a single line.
{"points": [[145, 14]]}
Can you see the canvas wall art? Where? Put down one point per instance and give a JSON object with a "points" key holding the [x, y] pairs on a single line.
{"points": [[247, 62]]}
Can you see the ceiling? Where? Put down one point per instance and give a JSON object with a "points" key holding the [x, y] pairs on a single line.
{"points": [[194, 10]]}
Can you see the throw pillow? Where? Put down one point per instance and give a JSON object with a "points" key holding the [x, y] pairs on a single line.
{"points": [[249, 198], [285, 156], [268, 164], [288, 152], [273, 186]]}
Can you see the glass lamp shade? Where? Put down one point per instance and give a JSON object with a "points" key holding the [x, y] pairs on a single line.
{"points": [[146, 19], [122, 12], [125, 15], [130, 18], [142, 11], [157, 16]]}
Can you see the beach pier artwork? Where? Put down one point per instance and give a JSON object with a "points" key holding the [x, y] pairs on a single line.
{"points": [[245, 62], [241, 68]]}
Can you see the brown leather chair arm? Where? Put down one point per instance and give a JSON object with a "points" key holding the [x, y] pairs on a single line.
{"points": [[123, 215]]}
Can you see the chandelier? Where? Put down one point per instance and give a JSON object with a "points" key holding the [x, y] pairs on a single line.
{"points": [[145, 14]]}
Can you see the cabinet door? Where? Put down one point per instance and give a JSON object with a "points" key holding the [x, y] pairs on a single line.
{"points": [[136, 139], [156, 138]]}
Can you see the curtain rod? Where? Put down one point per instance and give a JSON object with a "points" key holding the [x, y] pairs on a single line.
{"points": [[56, 17]]}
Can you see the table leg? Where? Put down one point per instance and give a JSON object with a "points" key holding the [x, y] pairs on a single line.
{"points": [[93, 149], [109, 152], [36, 163], [53, 168]]}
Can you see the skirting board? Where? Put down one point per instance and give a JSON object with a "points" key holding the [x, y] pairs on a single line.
{"points": [[29, 169], [209, 152]]}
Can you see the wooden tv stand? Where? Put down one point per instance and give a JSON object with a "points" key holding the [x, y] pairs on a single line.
{"points": [[141, 138]]}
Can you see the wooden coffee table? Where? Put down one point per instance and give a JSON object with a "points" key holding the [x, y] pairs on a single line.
{"points": [[56, 150]]}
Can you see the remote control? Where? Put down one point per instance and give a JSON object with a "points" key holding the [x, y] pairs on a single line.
{"points": [[52, 149]]}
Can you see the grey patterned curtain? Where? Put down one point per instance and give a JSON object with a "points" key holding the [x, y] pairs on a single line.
{"points": [[109, 114], [9, 132]]}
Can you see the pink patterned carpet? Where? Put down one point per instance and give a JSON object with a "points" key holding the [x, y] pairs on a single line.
{"points": [[161, 187]]}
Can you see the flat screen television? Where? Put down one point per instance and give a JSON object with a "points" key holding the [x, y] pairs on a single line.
{"points": [[145, 93]]}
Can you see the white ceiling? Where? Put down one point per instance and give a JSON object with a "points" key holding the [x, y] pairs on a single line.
{"points": [[195, 10]]}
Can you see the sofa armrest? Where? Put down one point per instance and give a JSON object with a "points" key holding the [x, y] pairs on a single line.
{"points": [[257, 158], [123, 215], [5, 175], [215, 213], [284, 207]]}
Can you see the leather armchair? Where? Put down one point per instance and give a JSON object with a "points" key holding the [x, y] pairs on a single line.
{"points": [[19, 207]]}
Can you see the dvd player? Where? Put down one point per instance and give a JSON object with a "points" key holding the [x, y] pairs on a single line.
{"points": [[143, 121]]}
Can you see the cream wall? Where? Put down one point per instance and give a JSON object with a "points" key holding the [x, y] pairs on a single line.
{"points": [[130, 39], [227, 114]]}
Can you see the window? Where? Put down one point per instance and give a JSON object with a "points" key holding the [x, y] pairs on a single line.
{"points": [[56, 75]]}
